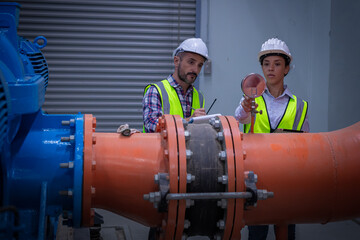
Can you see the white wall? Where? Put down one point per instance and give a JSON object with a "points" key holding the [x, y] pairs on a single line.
{"points": [[234, 31]]}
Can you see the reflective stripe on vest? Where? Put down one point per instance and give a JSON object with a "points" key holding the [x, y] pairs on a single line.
{"points": [[170, 100], [293, 118]]}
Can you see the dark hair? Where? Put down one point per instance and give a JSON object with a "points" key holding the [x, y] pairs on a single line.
{"points": [[181, 55], [287, 59]]}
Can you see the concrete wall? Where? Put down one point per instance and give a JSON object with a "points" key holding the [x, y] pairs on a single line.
{"points": [[234, 31], [344, 81]]}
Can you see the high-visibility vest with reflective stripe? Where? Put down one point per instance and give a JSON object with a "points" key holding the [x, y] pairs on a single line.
{"points": [[170, 101], [292, 119]]}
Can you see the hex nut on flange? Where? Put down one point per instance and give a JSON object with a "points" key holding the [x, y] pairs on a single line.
{"points": [[186, 224], [189, 154], [221, 224], [187, 135], [220, 136], [222, 155], [222, 203], [190, 178], [223, 179]]}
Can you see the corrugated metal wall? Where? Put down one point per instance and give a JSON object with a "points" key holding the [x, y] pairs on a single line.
{"points": [[101, 54]]}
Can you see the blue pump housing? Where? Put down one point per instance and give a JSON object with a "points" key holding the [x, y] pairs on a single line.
{"points": [[40, 154]]}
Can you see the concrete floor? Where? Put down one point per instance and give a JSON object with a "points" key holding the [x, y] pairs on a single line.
{"points": [[116, 227]]}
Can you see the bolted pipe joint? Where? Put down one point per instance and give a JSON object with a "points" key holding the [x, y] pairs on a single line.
{"points": [[67, 165], [223, 179], [220, 136], [71, 139], [186, 224], [68, 193], [255, 178], [222, 203], [222, 155], [251, 176], [221, 224], [156, 178], [190, 178], [263, 194], [70, 122], [189, 203], [215, 123], [189, 154], [187, 135], [153, 197]]}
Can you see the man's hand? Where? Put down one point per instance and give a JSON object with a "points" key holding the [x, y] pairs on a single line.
{"points": [[198, 112]]}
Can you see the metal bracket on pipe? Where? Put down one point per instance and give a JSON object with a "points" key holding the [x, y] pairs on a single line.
{"points": [[257, 194], [158, 198]]}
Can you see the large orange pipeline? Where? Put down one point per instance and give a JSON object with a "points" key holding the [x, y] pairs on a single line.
{"points": [[312, 177]]}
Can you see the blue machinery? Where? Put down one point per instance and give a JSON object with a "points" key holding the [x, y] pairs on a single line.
{"points": [[29, 138], [54, 165], [23, 170]]}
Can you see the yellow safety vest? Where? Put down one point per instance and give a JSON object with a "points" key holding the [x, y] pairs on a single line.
{"points": [[170, 101], [292, 119]]}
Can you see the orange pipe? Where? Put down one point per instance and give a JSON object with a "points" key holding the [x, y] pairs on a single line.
{"points": [[125, 169], [122, 170], [119, 170], [313, 175]]}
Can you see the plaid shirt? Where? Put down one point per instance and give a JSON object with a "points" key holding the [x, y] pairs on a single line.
{"points": [[152, 108]]}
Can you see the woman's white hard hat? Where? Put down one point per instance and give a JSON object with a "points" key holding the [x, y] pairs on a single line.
{"points": [[274, 46], [194, 45]]}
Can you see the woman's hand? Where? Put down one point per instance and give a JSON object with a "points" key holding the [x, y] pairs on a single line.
{"points": [[246, 104]]}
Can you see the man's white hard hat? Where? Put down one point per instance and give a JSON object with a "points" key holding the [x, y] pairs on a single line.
{"points": [[194, 45], [274, 46]]}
